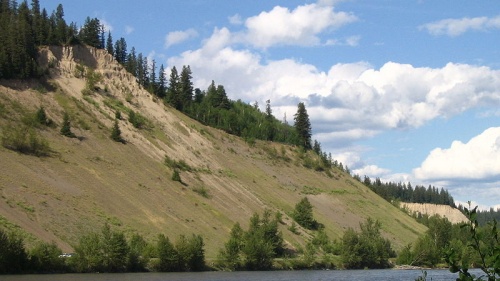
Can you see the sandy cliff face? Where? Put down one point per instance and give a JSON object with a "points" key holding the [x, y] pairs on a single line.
{"points": [[452, 214]]}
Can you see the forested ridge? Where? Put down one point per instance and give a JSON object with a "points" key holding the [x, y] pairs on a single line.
{"points": [[405, 192]]}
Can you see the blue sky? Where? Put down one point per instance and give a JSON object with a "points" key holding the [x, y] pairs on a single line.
{"points": [[401, 90]]}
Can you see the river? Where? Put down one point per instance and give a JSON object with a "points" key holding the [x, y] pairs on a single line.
{"points": [[304, 275]]}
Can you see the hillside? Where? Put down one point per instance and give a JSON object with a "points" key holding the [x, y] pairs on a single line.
{"points": [[452, 214], [90, 180]]}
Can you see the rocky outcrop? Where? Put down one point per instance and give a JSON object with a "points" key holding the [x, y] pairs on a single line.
{"points": [[452, 214]]}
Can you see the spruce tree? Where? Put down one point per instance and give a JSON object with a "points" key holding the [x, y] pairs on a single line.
{"points": [[162, 83], [173, 93], [303, 126], [303, 214], [109, 44], [116, 133], [66, 127], [186, 87]]}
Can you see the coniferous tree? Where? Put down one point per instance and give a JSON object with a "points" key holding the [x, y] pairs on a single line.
{"points": [[145, 72], [152, 83], [121, 50], [131, 63], [303, 126], [90, 33], [303, 214], [60, 26], [167, 255], [116, 133], [186, 87], [162, 83], [109, 44], [66, 127], [173, 90]]}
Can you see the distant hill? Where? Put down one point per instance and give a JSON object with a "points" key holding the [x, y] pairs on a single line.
{"points": [[89, 180]]}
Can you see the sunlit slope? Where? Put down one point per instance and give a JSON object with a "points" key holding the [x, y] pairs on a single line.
{"points": [[90, 180]]}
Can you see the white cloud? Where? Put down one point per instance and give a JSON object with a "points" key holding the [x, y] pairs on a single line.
{"points": [[351, 41], [372, 171], [235, 19], [129, 29], [456, 27], [176, 37], [476, 160], [351, 101], [301, 26], [107, 26]]}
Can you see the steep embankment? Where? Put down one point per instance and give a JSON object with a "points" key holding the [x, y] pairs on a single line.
{"points": [[92, 180], [445, 211]]}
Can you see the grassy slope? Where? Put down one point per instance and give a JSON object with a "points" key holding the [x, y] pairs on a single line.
{"points": [[92, 180]]}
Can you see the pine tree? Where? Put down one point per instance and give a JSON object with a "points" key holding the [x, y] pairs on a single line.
{"points": [[121, 50], [303, 214], [152, 78], [109, 44], [186, 87], [303, 126], [90, 33], [116, 133], [66, 127], [162, 83], [173, 93], [60, 26]]}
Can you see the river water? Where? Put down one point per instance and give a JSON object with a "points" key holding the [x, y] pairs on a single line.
{"points": [[305, 275]]}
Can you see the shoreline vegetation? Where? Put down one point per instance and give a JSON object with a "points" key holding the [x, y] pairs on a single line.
{"points": [[260, 247]]}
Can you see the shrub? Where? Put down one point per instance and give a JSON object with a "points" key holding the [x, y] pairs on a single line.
{"points": [[25, 140], [177, 165], [367, 249], [137, 120], [116, 133], [176, 176]]}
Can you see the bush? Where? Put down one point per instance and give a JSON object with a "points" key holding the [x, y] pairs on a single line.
{"points": [[116, 133], [177, 165], [13, 257], [46, 258], [176, 176], [137, 120], [25, 140], [254, 249], [367, 249]]}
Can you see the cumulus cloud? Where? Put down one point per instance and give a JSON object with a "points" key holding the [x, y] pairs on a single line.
{"points": [[176, 37], [300, 26], [372, 171], [476, 160], [350, 101], [456, 27]]}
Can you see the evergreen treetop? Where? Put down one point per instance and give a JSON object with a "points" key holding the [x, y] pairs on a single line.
{"points": [[303, 126]]}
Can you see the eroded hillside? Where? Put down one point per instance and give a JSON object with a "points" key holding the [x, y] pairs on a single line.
{"points": [[445, 211], [91, 179]]}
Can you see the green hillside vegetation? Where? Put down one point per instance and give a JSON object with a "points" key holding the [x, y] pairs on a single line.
{"points": [[79, 184]]}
